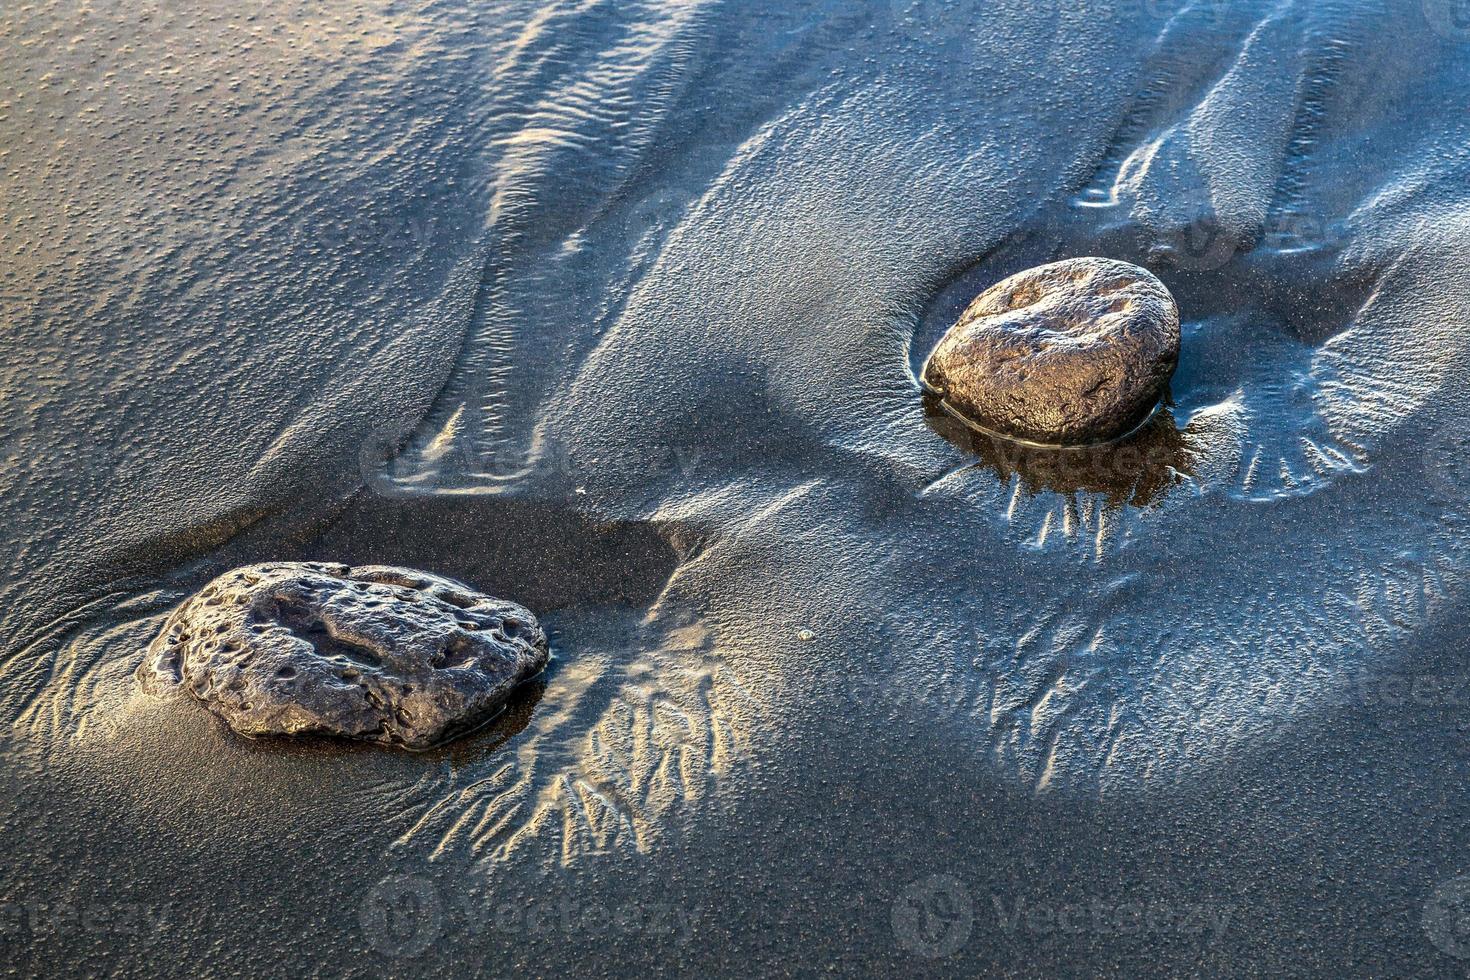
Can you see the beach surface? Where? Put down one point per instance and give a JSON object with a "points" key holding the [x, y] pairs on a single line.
{"points": [[615, 310]]}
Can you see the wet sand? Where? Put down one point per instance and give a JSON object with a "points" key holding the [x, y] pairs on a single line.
{"points": [[616, 312]]}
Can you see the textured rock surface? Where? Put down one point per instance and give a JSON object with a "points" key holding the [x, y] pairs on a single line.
{"points": [[1070, 353], [377, 653]]}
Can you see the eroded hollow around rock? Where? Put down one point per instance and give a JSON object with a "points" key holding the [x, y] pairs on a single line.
{"points": [[1071, 353], [377, 653]]}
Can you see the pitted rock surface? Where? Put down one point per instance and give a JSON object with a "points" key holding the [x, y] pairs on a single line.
{"points": [[1070, 353], [377, 653]]}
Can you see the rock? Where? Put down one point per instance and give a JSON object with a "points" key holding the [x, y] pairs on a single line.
{"points": [[376, 653], [1071, 353]]}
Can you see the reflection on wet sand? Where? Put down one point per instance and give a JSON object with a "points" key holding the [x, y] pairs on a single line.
{"points": [[1136, 470]]}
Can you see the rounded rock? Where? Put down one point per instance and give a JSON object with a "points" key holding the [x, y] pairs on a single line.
{"points": [[376, 653], [1071, 353]]}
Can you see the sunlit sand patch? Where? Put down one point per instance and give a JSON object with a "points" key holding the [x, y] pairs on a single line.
{"points": [[1144, 675], [1095, 499], [621, 750], [567, 204], [70, 683]]}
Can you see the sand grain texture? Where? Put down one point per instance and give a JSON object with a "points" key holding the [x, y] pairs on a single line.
{"points": [[619, 308]]}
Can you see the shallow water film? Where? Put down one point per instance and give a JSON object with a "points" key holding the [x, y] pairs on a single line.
{"points": [[615, 310]]}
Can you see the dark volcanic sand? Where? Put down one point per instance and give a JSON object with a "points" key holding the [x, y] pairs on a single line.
{"points": [[615, 312]]}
